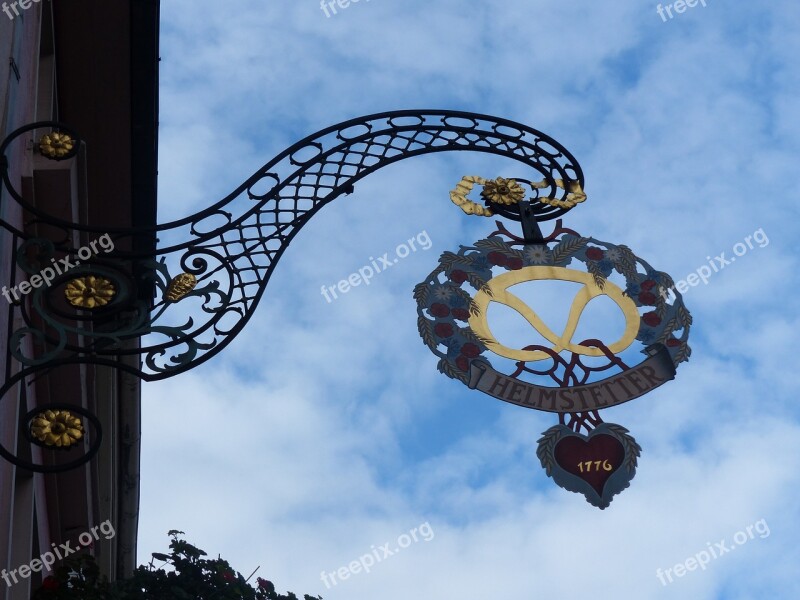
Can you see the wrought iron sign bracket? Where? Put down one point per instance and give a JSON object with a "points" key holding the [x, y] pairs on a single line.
{"points": [[76, 307]]}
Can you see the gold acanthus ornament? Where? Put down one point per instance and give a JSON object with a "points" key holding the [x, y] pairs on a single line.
{"points": [[180, 285]]}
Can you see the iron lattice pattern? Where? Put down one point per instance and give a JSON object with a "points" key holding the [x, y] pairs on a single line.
{"points": [[232, 247]]}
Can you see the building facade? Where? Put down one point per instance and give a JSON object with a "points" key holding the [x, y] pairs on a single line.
{"points": [[93, 66]]}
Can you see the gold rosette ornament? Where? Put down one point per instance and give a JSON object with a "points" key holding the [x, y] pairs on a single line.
{"points": [[89, 291], [503, 191], [58, 428], [56, 145]]}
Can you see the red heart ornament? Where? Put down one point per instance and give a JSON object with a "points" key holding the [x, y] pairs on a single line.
{"points": [[598, 465], [593, 460]]}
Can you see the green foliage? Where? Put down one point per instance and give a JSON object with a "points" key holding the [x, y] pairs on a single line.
{"points": [[188, 576]]}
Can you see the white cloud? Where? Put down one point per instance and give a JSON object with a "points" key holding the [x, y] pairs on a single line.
{"points": [[324, 428]]}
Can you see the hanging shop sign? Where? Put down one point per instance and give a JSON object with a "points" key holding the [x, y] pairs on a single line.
{"points": [[556, 370]]}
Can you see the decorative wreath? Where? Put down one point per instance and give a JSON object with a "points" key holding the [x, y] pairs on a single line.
{"points": [[444, 307]]}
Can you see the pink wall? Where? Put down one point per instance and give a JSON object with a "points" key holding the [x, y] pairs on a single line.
{"points": [[19, 38]]}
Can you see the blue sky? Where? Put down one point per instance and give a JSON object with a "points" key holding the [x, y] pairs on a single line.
{"points": [[324, 429]]}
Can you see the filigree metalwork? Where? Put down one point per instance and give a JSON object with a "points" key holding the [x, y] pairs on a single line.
{"points": [[231, 248], [233, 251]]}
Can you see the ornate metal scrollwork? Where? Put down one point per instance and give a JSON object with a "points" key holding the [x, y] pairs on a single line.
{"points": [[218, 272]]}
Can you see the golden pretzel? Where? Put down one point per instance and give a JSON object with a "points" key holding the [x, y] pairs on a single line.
{"points": [[498, 292]]}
